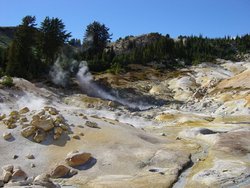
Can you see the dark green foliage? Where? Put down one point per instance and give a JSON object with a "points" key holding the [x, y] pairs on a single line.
{"points": [[7, 81], [191, 50], [95, 40], [33, 50], [51, 38], [98, 65], [75, 42], [1, 57], [115, 68], [21, 54]]}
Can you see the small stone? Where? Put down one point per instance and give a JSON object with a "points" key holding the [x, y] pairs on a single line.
{"points": [[59, 119], [81, 134], [90, 105], [35, 118], [41, 113], [163, 134], [76, 159], [177, 138], [23, 119], [7, 136], [30, 156], [63, 126], [32, 165], [24, 110], [58, 130], [80, 126], [6, 176], [14, 113], [59, 171], [92, 124], [15, 156], [53, 111], [28, 131], [8, 168], [39, 136], [84, 117], [77, 137], [10, 123], [112, 104], [2, 117]]}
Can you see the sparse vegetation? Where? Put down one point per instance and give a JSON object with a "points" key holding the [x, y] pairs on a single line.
{"points": [[7, 81]]}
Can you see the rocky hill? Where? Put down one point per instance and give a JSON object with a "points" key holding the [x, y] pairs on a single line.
{"points": [[123, 45]]}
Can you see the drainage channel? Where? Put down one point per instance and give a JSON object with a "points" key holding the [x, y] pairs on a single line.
{"points": [[182, 179]]}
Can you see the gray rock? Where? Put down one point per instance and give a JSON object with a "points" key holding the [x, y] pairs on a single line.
{"points": [[6, 176], [8, 168], [92, 124]]}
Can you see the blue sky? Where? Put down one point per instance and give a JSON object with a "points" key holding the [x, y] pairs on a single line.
{"points": [[212, 18]]}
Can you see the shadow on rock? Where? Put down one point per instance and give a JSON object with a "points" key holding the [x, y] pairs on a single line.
{"points": [[89, 164]]}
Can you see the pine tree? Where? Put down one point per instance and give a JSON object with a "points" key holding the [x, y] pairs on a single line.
{"points": [[21, 57], [95, 39], [52, 37]]}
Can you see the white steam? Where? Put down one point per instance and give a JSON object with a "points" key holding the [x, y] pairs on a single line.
{"points": [[90, 87], [86, 83], [64, 67], [58, 75], [29, 100]]}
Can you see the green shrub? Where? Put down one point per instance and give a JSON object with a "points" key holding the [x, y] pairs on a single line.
{"points": [[115, 68], [7, 81]]}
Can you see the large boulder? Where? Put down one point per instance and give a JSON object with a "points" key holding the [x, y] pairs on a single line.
{"points": [[18, 175], [74, 159], [45, 125]]}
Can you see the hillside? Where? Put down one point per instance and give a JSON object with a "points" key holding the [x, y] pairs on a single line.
{"points": [[6, 36], [142, 128]]}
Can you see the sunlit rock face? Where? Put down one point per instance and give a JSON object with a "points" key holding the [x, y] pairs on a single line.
{"points": [[193, 131]]}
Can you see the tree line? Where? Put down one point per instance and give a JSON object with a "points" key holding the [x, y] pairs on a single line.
{"points": [[185, 50], [34, 49]]}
